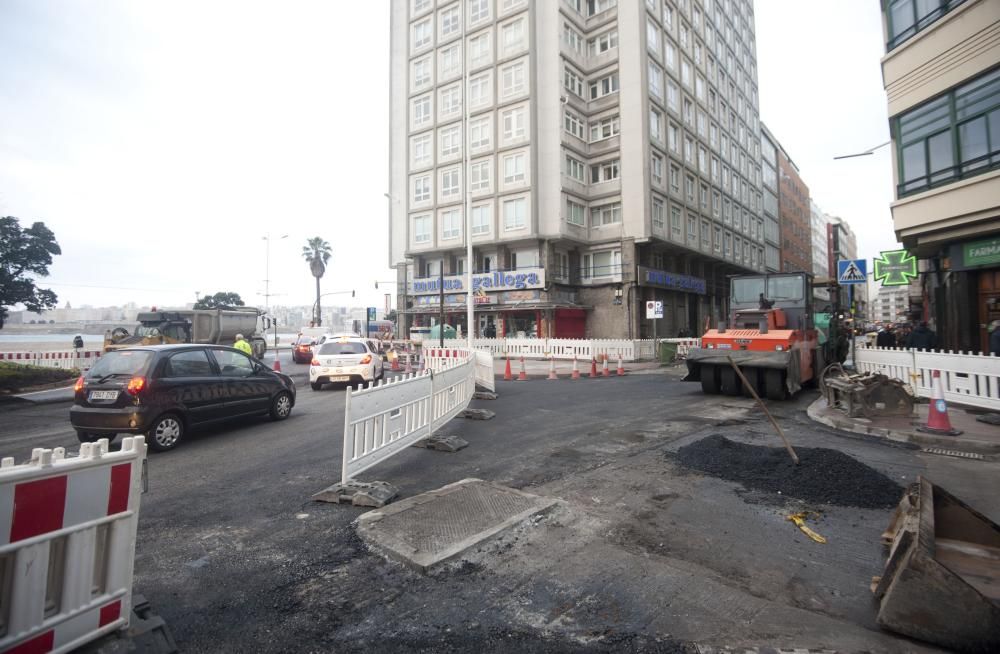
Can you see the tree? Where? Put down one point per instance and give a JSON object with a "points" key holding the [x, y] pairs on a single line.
{"points": [[221, 300], [317, 253], [25, 253]]}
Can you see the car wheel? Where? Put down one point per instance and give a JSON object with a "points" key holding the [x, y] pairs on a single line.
{"points": [[281, 406], [316, 386], [165, 433]]}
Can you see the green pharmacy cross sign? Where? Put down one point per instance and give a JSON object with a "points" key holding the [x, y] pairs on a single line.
{"points": [[896, 268]]}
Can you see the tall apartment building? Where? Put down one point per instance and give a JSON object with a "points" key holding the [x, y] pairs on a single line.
{"points": [[942, 81], [793, 207], [769, 182], [819, 247], [602, 171], [842, 244], [890, 304]]}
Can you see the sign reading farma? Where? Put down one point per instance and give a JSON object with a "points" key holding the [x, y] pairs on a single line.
{"points": [[981, 253]]}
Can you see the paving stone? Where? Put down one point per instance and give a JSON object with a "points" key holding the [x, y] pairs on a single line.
{"points": [[477, 414], [359, 493], [443, 443]]}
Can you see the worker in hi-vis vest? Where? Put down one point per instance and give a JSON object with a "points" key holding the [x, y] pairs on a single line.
{"points": [[242, 345]]}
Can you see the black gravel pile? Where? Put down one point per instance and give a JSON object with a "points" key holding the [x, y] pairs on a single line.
{"points": [[823, 475]]}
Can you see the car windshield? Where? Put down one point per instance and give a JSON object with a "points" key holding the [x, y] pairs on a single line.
{"points": [[304, 340], [747, 291], [342, 348], [128, 362], [784, 288]]}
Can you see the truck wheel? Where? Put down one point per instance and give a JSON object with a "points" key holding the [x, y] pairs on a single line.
{"points": [[259, 348], [709, 379], [774, 384], [731, 384]]}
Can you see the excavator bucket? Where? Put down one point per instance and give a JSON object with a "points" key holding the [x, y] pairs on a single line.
{"points": [[941, 581]]}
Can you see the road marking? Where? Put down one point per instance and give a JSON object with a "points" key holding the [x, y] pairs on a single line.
{"points": [[48, 390]]}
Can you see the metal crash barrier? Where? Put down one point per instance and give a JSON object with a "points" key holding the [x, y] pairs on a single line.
{"points": [[67, 545]]}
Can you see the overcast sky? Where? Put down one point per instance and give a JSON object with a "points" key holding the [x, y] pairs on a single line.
{"points": [[161, 141]]}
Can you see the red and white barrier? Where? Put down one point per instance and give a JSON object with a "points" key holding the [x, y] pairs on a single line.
{"points": [[67, 540], [81, 359]]}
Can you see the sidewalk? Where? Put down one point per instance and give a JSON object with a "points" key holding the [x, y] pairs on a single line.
{"points": [[976, 437]]}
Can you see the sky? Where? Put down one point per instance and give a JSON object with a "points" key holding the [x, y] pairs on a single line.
{"points": [[163, 141]]}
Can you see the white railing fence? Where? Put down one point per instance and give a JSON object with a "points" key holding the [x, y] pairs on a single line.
{"points": [[583, 349], [971, 379], [79, 359], [383, 419], [67, 546]]}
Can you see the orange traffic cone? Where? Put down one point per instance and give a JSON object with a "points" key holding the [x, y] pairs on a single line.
{"points": [[604, 369], [395, 361], [521, 376], [621, 366], [552, 368], [277, 363], [409, 361], [937, 413], [576, 369], [506, 371], [593, 367]]}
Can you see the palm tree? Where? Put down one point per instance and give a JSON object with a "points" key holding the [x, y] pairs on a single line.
{"points": [[317, 253]]}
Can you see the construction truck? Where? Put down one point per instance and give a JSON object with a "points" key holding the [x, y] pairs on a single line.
{"points": [[770, 335], [215, 326]]}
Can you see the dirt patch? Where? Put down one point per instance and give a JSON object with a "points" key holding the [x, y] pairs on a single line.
{"points": [[823, 475]]}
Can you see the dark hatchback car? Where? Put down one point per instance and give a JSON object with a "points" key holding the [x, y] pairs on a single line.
{"points": [[302, 351], [164, 390]]}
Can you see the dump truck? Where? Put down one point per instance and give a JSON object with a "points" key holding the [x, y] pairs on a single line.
{"points": [[770, 335], [214, 326]]}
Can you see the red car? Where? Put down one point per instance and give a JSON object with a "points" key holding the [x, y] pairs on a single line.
{"points": [[302, 351]]}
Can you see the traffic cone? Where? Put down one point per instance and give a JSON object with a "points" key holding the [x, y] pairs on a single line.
{"points": [[593, 367], [937, 413], [277, 363], [621, 366], [521, 376], [604, 369], [552, 368], [395, 361], [409, 361], [576, 369], [506, 371]]}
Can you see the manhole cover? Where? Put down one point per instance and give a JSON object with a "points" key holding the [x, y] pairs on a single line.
{"points": [[435, 526]]}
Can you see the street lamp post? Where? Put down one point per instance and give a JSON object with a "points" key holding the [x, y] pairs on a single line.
{"points": [[267, 270]]}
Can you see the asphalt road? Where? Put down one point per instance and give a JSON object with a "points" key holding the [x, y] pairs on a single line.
{"points": [[642, 555]]}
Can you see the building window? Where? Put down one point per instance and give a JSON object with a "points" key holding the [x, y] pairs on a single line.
{"points": [[608, 214], [451, 141], [965, 121], [675, 180], [703, 198], [575, 213], [512, 37], [692, 232], [652, 36], [673, 138], [513, 79], [604, 128], [422, 229], [655, 80], [514, 213], [668, 15], [480, 131], [685, 73], [479, 49], [422, 188], [604, 86], [449, 184], [717, 241], [675, 223], [421, 110], [907, 17], [479, 90], [572, 82], [450, 224], [602, 43], [513, 168], [420, 6], [689, 189], [689, 150], [573, 124], [513, 124], [607, 263], [480, 175], [450, 22], [702, 160], [575, 169], [657, 212], [450, 62], [572, 38], [420, 149], [604, 171], [450, 101], [562, 266], [673, 96], [422, 34], [421, 73], [655, 125], [479, 10], [481, 219], [595, 7], [716, 205], [656, 169]]}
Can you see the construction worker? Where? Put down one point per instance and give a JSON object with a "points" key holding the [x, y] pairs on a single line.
{"points": [[242, 345]]}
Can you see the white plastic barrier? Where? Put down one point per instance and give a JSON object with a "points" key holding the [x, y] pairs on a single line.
{"points": [[67, 545], [563, 348], [485, 375], [64, 359], [684, 345], [383, 419], [971, 379], [439, 358]]}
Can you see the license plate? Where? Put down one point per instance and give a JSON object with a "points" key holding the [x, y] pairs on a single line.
{"points": [[336, 379], [103, 395]]}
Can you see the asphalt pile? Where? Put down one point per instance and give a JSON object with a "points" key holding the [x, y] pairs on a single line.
{"points": [[823, 475]]}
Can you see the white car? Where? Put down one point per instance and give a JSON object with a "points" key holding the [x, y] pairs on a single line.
{"points": [[348, 359]]}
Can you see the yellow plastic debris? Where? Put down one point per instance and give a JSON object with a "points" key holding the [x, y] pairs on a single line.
{"points": [[800, 521]]}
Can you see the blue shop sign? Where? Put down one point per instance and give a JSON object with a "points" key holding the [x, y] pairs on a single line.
{"points": [[672, 281], [500, 280]]}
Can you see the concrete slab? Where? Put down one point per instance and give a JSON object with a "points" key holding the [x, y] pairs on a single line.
{"points": [[432, 527]]}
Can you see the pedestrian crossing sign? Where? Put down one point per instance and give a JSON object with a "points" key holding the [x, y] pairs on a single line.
{"points": [[852, 271]]}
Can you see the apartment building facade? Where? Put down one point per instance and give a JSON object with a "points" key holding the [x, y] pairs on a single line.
{"points": [[819, 247], [942, 80], [599, 172], [793, 208]]}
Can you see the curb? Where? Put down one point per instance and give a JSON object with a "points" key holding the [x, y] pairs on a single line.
{"points": [[915, 438]]}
